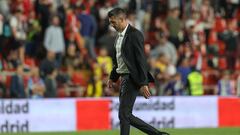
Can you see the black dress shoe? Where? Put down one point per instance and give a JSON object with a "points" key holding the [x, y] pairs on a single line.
{"points": [[164, 133]]}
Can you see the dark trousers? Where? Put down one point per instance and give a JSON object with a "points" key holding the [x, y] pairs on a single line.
{"points": [[128, 94], [59, 58]]}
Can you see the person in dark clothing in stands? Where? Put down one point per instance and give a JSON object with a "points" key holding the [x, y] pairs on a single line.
{"points": [[2, 89], [50, 83], [17, 89], [88, 31], [48, 63]]}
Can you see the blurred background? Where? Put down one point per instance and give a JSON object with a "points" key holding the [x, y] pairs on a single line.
{"points": [[63, 48]]}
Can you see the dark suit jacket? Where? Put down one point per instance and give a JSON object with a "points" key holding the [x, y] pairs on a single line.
{"points": [[132, 52]]}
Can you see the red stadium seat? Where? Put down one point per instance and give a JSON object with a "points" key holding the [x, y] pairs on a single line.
{"points": [[238, 18], [212, 39], [151, 39], [205, 78], [221, 46], [204, 63], [222, 63], [220, 24], [8, 81], [61, 93], [79, 79], [25, 80], [29, 61]]}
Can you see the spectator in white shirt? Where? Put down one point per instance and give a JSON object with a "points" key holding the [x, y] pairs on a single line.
{"points": [[165, 47], [54, 40]]}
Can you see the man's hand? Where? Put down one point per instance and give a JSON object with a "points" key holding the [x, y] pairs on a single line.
{"points": [[145, 91], [109, 83]]}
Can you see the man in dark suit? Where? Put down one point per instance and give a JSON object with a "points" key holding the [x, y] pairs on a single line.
{"points": [[130, 64]]}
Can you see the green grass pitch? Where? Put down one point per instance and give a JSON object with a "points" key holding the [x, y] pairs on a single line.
{"points": [[199, 131]]}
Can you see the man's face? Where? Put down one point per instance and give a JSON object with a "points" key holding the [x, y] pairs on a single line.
{"points": [[56, 21], [115, 22]]}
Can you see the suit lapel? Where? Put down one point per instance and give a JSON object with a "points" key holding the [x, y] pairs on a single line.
{"points": [[124, 40], [115, 42], [125, 37]]}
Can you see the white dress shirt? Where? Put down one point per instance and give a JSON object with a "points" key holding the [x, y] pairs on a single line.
{"points": [[122, 68], [54, 40]]}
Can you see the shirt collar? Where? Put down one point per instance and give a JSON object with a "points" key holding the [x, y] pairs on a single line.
{"points": [[124, 31]]}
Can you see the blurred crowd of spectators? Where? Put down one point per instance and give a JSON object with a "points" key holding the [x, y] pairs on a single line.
{"points": [[63, 48]]}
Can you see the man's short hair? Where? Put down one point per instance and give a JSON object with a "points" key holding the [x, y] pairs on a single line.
{"points": [[116, 12]]}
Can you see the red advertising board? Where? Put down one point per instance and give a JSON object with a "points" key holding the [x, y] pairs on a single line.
{"points": [[93, 114], [102, 113], [229, 112]]}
